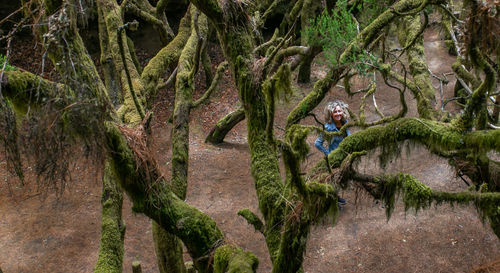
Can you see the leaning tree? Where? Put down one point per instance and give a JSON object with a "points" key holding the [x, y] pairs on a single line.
{"points": [[110, 112]]}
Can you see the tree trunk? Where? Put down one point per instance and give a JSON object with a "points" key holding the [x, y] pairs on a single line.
{"points": [[409, 36], [112, 227], [168, 247], [168, 250]]}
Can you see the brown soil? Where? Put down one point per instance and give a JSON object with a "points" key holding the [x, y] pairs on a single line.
{"points": [[62, 235]]}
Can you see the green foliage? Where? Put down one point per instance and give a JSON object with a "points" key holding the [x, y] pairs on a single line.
{"points": [[4, 61], [333, 31]]}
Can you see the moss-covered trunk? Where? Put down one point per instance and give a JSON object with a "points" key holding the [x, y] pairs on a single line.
{"points": [[180, 139], [123, 61], [152, 196], [168, 249], [166, 58], [411, 37], [112, 227]]}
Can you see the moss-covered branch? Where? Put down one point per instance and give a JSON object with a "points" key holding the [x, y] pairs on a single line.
{"points": [[165, 58], [477, 104], [183, 99], [112, 21], [137, 104], [410, 36], [252, 219], [213, 85], [224, 125], [232, 259], [432, 134], [319, 91], [417, 195], [152, 196], [146, 12], [211, 9]]}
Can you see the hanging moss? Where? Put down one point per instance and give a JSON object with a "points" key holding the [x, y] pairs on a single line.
{"points": [[297, 136], [418, 196]]}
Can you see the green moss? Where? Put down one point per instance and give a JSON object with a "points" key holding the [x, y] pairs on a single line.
{"points": [[112, 228], [297, 136], [232, 259], [252, 219], [224, 125], [168, 249], [415, 194]]}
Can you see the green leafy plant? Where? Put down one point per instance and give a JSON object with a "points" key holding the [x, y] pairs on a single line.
{"points": [[4, 61], [333, 31]]}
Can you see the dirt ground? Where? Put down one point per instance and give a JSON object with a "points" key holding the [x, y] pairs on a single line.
{"points": [[62, 235]]}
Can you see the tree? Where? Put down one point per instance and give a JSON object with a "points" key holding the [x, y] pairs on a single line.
{"points": [[82, 111]]}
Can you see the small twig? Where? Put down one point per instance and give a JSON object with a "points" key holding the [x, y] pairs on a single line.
{"points": [[450, 13], [316, 119]]}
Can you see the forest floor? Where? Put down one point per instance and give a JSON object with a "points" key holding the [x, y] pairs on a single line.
{"points": [[42, 233]]}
